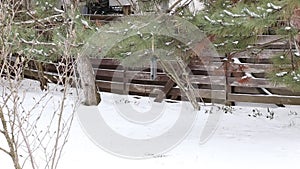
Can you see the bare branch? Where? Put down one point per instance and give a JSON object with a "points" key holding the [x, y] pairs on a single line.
{"points": [[32, 42], [174, 5], [1, 131], [36, 42], [47, 19], [5, 151]]}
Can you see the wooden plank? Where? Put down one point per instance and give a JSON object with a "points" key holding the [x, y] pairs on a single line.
{"points": [[211, 68], [203, 79], [260, 90], [284, 91], [105, 63], [33, 74], [203, 93], [264, 54], [246, 90], [271, 99], [169, 85], [111, 62], [132, 75], [161, 79], [145, 90], [279, 44], [246, 67], [101, 17], [259, 82]]}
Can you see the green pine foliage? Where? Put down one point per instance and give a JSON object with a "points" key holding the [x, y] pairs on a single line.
{"points": [[144, 43], [132, 36], [41, 32], [237, 24]]}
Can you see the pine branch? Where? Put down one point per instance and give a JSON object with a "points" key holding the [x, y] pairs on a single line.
{"points": [[261, 46], [39, 20]]}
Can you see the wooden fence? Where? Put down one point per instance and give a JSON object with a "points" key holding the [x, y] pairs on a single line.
{"points": [[241, 78], [255, 66]]}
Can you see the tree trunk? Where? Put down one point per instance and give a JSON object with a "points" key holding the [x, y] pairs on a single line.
{"points": [[88, 81], [41, 75]]}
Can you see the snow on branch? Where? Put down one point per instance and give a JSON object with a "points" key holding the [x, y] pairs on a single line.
{"points": [[210, 20], [281, 74], [39, 20], [275, 7], [252, 14], [36, 42], [233, 15], [58, 10]]}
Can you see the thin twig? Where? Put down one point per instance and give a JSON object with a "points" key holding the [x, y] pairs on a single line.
{"points": [[5, 151], [38, 20], [260, 46]]}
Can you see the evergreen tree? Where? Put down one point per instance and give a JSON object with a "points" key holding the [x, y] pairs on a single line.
{"points": [[43, 32]]}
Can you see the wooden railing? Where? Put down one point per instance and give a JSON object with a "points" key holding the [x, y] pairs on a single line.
{"points": [[242, 78]]}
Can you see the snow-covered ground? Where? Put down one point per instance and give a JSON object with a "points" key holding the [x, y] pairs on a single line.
{"points": [[244, 138]]}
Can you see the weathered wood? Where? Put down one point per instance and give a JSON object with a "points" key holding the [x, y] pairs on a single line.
{"points": [[263, 54], [259, 82], [246, 90], [169, 85], [284, 91], [227, 70], [272, 99], [213, 80], [126, 10], [101, 17], [277, 42], [87, 79], [117, 87], [33, 74], [116, 75], [161, 79], [41, 75]]}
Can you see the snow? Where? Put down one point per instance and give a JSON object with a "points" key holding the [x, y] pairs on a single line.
{"points": [[240, 142], [235, 42], [195, 6], [252, 14], [281, 74], [58, 10], [270, 5], [210, 20], [86, 24], [233, 15], [245, 137]]}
